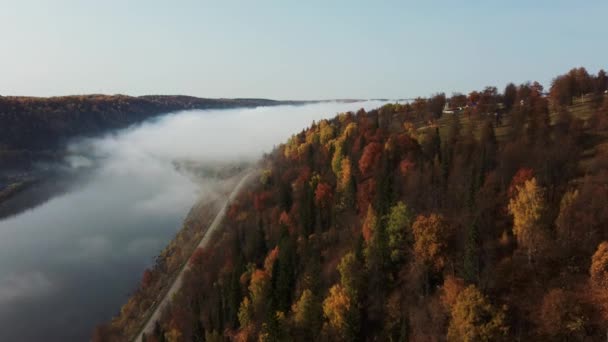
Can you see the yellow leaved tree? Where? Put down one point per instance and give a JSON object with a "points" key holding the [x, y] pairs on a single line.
{"points": [[475, 319], [527, 208]]}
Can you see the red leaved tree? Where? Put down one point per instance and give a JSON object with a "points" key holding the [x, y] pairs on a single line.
{"points": [[370, 159]]}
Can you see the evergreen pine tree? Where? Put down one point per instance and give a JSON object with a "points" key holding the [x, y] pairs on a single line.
{"points": [[471, 253], [437, 145]]}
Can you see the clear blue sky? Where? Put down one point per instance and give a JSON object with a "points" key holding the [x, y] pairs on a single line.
{"points": [[293, 49]]}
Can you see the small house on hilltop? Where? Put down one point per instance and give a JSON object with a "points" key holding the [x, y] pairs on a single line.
{"points": [[447, 109]]}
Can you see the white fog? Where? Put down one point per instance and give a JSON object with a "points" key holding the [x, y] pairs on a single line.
{"points": [[87, 248]]}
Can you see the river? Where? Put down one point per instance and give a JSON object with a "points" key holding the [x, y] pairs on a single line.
{"points": [[71, 262]]}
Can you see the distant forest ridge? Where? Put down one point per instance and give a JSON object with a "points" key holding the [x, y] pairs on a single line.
{"points": [[36, 123]]}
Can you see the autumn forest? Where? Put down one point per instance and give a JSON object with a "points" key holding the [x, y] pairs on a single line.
{"points": [[475, 217]]}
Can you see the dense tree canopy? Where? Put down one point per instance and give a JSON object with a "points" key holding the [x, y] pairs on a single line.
{"points": [[407, 224]]}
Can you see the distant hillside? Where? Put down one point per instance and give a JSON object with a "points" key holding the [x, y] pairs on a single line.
{"points": [[32, 123], [33, 129]]}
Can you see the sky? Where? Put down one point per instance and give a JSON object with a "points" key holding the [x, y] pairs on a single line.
{"points": [[293, 49]]}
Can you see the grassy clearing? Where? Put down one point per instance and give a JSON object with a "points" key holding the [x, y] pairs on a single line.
{"points": [[595, 144], [581, 109]]}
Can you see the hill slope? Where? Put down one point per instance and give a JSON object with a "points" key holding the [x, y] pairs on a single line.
{"points": [[382, 226]]}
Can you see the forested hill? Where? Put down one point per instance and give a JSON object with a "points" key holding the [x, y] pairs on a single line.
{"points": [[487, 222], [32, 123]]}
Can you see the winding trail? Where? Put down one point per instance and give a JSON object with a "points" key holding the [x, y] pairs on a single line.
{"points": [[177, 283]]}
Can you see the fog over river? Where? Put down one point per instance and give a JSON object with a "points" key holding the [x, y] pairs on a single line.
{"points": [[71, 262]]}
